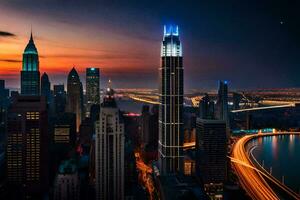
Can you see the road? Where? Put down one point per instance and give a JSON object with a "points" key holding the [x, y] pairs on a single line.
{"points": [[253, 179], [145, 175]]}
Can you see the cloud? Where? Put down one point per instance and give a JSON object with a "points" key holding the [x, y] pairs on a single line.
{"points": [[10, 60], [6, 34]]}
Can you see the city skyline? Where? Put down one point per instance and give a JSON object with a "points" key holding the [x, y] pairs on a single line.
{"points": [[171, 100], [223, 41]]}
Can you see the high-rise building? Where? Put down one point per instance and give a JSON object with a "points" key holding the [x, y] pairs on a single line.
{"points": [[109, 152], [30, 74], [206, 108], [67, 182], [171, 102], [92, 88], [59, 98], [211, 150], [27, 146], [222, 102], [45, 87], [75, 96]]}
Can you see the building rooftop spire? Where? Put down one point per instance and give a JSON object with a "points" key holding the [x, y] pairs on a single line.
{"points": [[30, 48]]}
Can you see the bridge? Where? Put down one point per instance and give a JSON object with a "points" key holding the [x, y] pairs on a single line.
{"points": [[253, 177], [264, 108]]}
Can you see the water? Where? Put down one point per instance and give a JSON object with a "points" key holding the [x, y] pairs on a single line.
{"points": [[129, 105], [282, 153]]}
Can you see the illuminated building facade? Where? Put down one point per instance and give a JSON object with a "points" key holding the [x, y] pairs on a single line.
{"points": [[171, 103], [30, 74], [75, 96], [109, 152], [92, 88], [27, 146]]}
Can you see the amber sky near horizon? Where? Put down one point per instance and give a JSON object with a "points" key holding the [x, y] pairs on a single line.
{"points": [[252, 44]]}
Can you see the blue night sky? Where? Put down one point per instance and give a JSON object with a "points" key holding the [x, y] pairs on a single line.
{"points": [[253, 44]]}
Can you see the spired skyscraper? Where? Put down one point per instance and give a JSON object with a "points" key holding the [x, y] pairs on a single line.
{"points": [[75, 96], [30, 74], [171, 92], [109, 153]]}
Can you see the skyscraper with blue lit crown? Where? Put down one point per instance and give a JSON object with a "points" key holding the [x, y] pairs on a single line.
{"points": [[171, 92], [30, 74]]}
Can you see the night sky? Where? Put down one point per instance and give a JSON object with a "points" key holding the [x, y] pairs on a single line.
{"points": [[252, 44]]}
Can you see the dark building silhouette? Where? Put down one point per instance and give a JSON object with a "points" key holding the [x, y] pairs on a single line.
{"points": [[94, 114], [75, 96], [153, 139], [30, 74], [211, 150], [206, 108], [222, 102], [145, 124], [171, 102], [46, 87], [59, 98], [92, 88], [67, 182], [149, 127], [4, 102], [65, 130], [27, 147], [86, 131], [236, 98]]}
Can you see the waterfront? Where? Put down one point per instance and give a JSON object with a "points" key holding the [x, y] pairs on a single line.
{"points": [[129, 105], [280, 155]]}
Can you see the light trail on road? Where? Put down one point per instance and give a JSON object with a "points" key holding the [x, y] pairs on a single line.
{"points": [[145, 175], [251, 178], [144, 100], [263, 108]]}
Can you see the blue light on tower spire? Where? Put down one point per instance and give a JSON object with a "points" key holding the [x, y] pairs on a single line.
{"points": [[171, 44], [171, 30]]}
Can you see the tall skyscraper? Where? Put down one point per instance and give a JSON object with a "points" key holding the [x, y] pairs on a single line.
{"points": [[171, 102], [92, 88], [109, 152], [75, 96], [211, 148], [222, 102], [46, 87], [27, 146], [30, 74]]}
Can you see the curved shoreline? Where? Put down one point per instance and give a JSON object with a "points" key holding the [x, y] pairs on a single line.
{"points": [[251, 176]]}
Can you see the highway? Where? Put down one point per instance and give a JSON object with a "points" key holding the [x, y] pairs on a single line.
{"points": [[263, 108], [253, 179]]}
